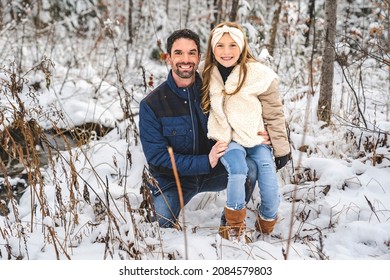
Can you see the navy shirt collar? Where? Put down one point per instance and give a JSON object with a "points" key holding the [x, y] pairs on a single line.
{"points": [[182, 91]]}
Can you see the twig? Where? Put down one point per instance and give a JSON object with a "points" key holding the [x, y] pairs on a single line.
{"points": [[372, 208], [170, 151]]}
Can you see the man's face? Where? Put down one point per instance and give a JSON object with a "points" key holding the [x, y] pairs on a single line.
{"points": [[184, 60]]}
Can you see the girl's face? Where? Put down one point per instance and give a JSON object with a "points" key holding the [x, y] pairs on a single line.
{"points": [[226, 51]]}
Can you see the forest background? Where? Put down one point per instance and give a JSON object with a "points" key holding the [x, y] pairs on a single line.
{"points": [[73, 72]]}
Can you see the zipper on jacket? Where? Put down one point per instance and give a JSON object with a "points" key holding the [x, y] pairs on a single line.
{"points": [[192, 121]]}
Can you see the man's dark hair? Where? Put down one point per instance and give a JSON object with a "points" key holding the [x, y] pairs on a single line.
{"points": [[182, 33]]}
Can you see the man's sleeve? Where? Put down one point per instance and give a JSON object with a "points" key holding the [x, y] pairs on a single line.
{"points": [[155, 148]]}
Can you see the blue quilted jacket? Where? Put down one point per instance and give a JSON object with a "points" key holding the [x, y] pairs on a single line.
{"points": [[172, 116]]}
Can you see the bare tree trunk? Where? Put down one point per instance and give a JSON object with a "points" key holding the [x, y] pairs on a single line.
{"points": [[388, 27], [270, 4], [130, 22], [233, 12], [11, 12], [388, 52], [275, 24], [38, 22], [1, 15], [310, 21], [129, 29], [324, 109], [188, 13], [313, 51], [217, 13]]}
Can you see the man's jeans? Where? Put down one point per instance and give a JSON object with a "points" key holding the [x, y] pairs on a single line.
{"points": [[235, 162], [167, 204]]}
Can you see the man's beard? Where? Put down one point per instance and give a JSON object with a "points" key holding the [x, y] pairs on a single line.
{"points": [[185, 74]]}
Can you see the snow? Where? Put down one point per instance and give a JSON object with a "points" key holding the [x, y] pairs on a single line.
{"points": [[330, 204], [337, 224]]}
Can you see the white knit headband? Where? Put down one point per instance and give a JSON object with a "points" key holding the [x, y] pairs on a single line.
{"points": [[234, 32]]}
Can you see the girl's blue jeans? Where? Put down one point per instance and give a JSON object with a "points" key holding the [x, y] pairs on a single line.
{"points": [[167, 206], [235, 160]]}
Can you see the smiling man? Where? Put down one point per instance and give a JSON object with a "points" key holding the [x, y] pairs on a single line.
{"points": [[184, 61], [171, 116]]}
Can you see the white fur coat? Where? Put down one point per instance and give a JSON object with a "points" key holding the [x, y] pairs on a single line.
{"points": [[239, 117]]}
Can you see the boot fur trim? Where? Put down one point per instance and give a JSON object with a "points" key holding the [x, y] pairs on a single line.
{"points": [[265, 226], [235, 222]]}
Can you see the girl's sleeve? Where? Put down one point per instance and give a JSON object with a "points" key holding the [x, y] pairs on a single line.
{"points": [[274, 118]]}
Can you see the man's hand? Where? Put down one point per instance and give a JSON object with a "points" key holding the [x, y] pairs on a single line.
{"points": [[216, 152], [265, 135]]}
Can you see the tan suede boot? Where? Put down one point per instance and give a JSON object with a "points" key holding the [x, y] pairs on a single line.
{"points": [[265, 226], [235, 225]]}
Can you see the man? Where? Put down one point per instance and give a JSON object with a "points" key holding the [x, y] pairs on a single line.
{"points": [[171, 116]]}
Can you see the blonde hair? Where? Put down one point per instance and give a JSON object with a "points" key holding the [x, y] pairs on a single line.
{"points": [[210, 61]]}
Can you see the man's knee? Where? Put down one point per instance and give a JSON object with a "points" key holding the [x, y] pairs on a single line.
{"points": [[165, 211]]}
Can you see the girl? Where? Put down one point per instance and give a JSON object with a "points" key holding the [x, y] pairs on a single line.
{"points": [[241, 96]]}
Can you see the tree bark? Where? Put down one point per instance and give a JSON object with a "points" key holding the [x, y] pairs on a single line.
{"points": [[130, 9], [37, 17], [388, 51], [388, 27], [217, 13], [233, 12], [1, 15], [188, 13], [324, 109], [275, 24], [130, 22], [310, 21]]}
